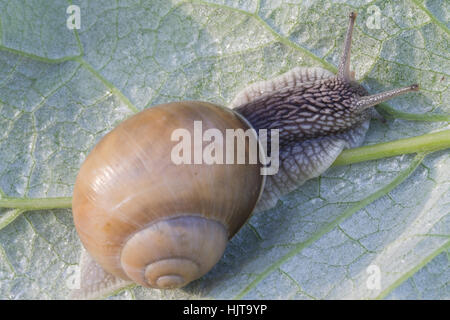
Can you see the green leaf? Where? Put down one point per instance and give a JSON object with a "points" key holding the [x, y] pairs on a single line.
{"points": [[61, 90]]}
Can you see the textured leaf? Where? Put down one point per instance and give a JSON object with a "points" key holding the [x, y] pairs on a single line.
{"points": [[61, 90]]}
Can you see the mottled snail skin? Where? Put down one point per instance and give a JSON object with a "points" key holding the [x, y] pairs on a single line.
{"points": [[317, 113], [141, 217]]}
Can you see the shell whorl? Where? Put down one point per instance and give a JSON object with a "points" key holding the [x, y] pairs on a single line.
{"points": [[177, 251]]}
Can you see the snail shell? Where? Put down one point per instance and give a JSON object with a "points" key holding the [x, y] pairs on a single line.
{"points": [[143, 217]]}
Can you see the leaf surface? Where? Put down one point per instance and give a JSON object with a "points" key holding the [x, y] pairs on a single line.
{"points": [[61, 90]]}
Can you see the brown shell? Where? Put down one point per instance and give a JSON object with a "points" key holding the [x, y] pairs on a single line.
{"points": [[128, 183]]}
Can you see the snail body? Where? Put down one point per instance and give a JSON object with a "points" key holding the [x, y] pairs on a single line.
{"points": [[162, 225]]}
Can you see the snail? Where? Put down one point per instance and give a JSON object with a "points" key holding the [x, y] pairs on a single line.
{"points": [[162, 225]]}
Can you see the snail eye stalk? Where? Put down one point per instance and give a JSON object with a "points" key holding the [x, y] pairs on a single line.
{"points": [[344, 65], [369, 101]]}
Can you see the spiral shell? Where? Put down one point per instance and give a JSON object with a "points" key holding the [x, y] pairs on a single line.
{"points": [[143, 217]]}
